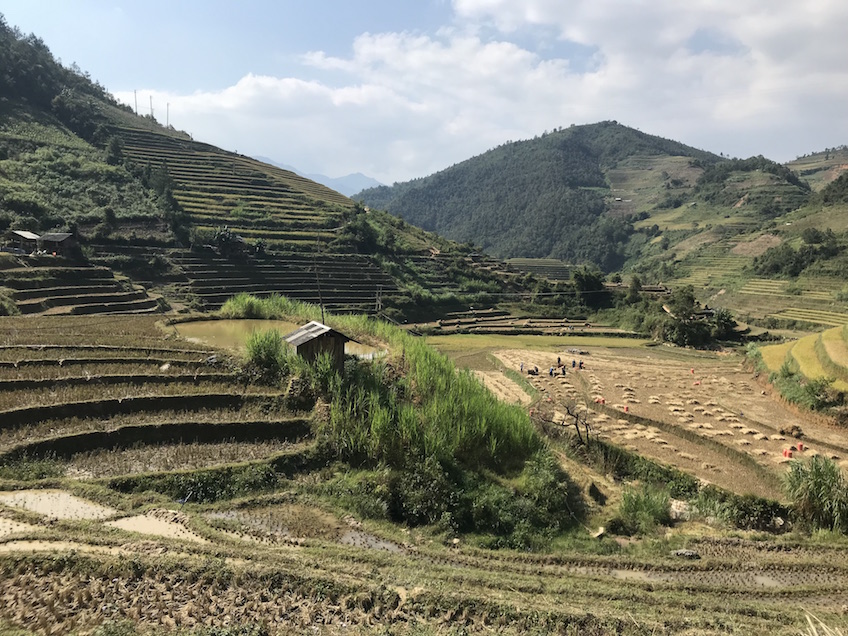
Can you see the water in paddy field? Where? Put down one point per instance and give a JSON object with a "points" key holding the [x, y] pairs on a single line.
{"points": [[232, 334]]}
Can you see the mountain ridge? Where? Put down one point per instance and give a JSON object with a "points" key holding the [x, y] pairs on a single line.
{"points": [[347, 185]]}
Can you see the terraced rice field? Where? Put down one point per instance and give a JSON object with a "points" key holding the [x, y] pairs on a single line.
{"points": [[778, 288], [60, 288], [126, 388], [819, 355], [496, 321], [129, 522], [716, 423], [255, 200], [550, 268], [813, 316], [713, 268], [805, 354]]}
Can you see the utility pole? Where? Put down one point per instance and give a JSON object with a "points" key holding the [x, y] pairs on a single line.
{"points": [[151, 107], [317, 279], [135, 97], [167, 114]]}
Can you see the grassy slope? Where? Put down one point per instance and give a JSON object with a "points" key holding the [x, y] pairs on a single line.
{"points": [[51, 178]]}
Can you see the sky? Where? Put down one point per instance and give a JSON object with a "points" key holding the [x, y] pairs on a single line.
{"points": [[400, 89]]}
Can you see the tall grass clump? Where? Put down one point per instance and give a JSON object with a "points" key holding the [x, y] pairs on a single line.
{"points": [[642, 509], [268, 352], [274, 307], [418, 406], [819, 493], [7, 303]]}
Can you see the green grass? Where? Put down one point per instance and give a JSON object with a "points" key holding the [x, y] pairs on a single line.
{"points": [[642, 510], [819, 493]]}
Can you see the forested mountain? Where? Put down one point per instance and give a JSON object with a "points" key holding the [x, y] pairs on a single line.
{"points": [[546, 197]]}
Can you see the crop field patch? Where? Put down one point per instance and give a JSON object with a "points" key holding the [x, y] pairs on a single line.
{"points": [[282, 556], [704, 415], [814, 316]]}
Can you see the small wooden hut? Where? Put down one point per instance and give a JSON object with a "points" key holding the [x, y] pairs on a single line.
{"points": [[57, 242], [315, 338], [23, 240]]}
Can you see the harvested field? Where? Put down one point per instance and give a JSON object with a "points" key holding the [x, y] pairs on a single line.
{"points": [[705, 414], [140, 530]]}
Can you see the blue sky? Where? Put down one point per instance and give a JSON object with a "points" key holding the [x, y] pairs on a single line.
{"points": [[401, 89]]}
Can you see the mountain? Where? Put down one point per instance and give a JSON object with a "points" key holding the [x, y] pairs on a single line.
{"points": [[192, 222], [568, 194], [347, 185]]}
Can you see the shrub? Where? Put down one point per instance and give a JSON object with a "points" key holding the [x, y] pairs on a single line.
{"points": [[7, 303], [746, 512], [819, 493], [642, 510]]}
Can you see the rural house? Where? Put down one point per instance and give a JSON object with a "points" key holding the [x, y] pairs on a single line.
{"points": [[57, 242], [23, 240], [315, 338]]}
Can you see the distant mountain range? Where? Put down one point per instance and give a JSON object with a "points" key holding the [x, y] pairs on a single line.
{"points": [[608, 195], [347, 185]]}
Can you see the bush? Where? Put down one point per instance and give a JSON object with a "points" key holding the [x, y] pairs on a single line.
{"points": [[7, 303], [746, 512], [642, 510], [819, 493]]}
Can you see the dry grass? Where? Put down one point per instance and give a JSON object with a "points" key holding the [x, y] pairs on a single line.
{"points": [[69, 394], [47, 429], [804, 353], [166, 458]]}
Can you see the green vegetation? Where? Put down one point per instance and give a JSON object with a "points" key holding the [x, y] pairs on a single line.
{"points": [[642, 509], [678, 318], [819, 493], [548, 192], [413, 414]]}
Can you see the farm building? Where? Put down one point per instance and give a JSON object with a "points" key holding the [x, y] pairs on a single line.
{"points": [[23, 240], [315, 338], [57, 242]]}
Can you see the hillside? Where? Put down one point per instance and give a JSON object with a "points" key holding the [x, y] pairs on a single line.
{"points": [[192, 222], [820, 168], [751, 235], [564, 195], [200, 473]]}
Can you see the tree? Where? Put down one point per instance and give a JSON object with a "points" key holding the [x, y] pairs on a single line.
{"points": [[589, 283], [634, 290], [114, 152]]}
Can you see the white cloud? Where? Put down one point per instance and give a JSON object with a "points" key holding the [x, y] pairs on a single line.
{"points": [[744, 78]]}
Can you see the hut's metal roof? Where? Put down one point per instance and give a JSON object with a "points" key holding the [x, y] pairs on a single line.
{"points": [[55, 237], [24, 234], [310, 331]]}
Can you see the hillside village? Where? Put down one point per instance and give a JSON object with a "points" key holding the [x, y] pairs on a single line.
{"points": [[234, 401]]}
